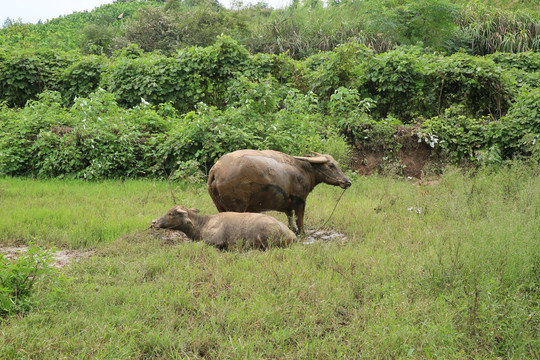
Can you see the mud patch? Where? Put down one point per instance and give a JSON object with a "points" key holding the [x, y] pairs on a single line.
{"points": [[172, 237], [168, 236], [314, 236], [61, 258]]}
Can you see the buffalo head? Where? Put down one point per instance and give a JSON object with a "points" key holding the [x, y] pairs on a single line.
{"points": [[327, 170], [176, 218]]}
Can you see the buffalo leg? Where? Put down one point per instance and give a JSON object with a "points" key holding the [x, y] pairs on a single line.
{"points": [[290, 218], [300, 218]]}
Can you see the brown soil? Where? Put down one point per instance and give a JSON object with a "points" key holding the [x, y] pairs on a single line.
{"points": [[409, 161], [61, 258]]}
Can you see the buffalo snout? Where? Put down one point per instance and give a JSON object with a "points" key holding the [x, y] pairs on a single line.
{"points": [[155, 224], [345, 184]]}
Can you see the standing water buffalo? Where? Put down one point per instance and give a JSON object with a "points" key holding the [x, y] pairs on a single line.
{"points": [[225, 229], [256, 181]]}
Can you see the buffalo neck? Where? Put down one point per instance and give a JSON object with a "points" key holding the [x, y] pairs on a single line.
{"points": [[194, 231], [310, 174]]}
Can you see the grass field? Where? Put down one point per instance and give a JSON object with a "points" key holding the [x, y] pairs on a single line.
{"points": [[449, 271]]}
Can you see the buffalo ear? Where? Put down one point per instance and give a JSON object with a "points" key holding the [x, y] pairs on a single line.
{"points": [[195, 210], [313, 159]]}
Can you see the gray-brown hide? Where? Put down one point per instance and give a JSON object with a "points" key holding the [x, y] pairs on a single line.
{"points": [[225, 229], [257, 181]]}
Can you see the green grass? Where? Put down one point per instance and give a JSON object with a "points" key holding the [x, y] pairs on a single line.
{"points": [[455, 277]]}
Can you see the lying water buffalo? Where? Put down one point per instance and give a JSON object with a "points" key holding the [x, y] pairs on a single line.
{"points": [[256, 181], [225, 229]]}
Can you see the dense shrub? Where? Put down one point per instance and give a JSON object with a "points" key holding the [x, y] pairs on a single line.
{"points": [[398, 81], [528, 61], [96, 138], [26, 73], [427, 22], [464, 137], [154, 28], [458, 136], [194, 74], [82, 77], [476, 82], [518, 133], [160, 113], [327, 71], [207, 133], [93, 139], [20, 127]]}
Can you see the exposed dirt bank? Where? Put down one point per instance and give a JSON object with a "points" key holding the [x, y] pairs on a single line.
{"points": [[408, 159]]}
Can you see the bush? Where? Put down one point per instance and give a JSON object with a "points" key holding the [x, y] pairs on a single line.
{"points": [[93, 139], [331, 70], [409, 84], [82, 77], [397, 80], [518, 133], [475, 82], [26, 73], [195, 74], [515, 135], [18, 278], [154, 28], [20, 128], [527, 61], [457, 135]]}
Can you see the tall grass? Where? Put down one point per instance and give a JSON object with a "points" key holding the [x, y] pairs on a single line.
{"points": [[446, 271], [491, 29]]}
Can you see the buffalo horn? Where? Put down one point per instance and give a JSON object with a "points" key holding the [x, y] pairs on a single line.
{"points": [[313, 160]]}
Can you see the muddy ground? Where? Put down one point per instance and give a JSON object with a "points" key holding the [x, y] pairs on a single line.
{"points": [[61, 258], [171, 237]]}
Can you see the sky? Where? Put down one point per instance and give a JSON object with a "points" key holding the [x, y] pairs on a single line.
{"points": [[31, 11]]}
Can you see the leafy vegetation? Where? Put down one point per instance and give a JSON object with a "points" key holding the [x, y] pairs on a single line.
{"points": [[18, 279], [144, 114]]}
